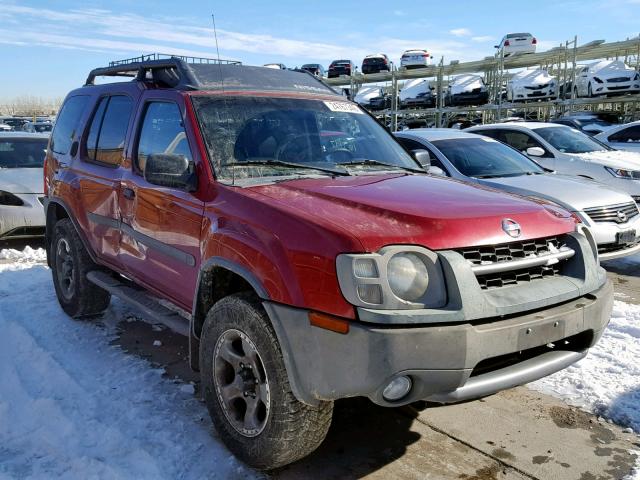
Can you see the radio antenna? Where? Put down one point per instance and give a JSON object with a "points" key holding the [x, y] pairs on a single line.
{"points": [[215, 36]]}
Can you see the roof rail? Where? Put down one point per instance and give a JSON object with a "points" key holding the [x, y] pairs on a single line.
{"points": [[171, 70], [165, 56]]}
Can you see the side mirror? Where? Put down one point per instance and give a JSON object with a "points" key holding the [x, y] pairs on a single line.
{"points": [[422, 157], [433, 170], [171, 170], [535, 151]]}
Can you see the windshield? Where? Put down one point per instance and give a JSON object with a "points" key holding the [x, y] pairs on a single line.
{"points": [[316, 135], [485, 157], [22, 152], [569, 140]]}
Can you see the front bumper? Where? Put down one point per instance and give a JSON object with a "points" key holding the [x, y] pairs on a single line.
{"points": [[605, 235], [469, 98], [429, 101], [616, 88], [24, 221], [446, 362]]}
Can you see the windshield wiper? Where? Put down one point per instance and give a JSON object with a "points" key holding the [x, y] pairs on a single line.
{"points": [[280, 163], [369, 161]]}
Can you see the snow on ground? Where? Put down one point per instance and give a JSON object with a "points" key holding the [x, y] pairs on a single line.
{"points": [[73, 406], [607, 381], [28, 255]]}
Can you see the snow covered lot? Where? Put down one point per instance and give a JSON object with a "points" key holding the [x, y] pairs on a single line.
{"points": [[74, 406]]}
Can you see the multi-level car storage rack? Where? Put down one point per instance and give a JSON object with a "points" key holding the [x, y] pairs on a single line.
{"points": [[561, 61]]}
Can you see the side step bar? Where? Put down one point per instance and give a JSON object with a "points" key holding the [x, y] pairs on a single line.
{"points": [[139, 298]]}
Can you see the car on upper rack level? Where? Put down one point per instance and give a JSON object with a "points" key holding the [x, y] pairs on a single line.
{"points": [[304, 252], [513, 43], [606, 77]]}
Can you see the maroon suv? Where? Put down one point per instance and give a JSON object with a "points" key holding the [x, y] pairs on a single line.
{"points": [[307, 255]]}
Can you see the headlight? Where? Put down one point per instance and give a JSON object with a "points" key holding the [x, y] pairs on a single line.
{"points": [[408, 276], [7, 198], [396, 277], [597, 79], [623, 173]]}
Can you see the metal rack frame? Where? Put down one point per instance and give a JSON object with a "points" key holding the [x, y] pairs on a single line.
{"points": [[561, 61]]}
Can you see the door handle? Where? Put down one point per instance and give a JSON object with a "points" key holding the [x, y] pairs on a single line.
{"points": [[128, 193]]}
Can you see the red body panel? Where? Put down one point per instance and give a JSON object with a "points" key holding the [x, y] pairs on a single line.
{"points": [[286, 234]]}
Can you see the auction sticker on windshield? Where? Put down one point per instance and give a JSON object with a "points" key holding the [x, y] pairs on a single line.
{"points": [[342, 107]]}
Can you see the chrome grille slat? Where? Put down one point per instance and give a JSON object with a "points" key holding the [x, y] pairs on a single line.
{"points": [[497, 266], [610, 213]]}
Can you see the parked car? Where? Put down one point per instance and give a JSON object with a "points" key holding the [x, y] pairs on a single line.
{"points": [[416, 58], [314, 256], [532, 84], [466, 90], [375, 63], [488, 162], [314, 68], [417, 93], [21, 158], [373, 98], [517, 43], [606, 77], [589, 123], [622, 137], [568, 151], [16, 123], [5, 128], [341, 67], [38, 127], [276, 66]]}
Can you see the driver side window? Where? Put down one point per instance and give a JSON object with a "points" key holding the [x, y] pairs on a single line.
{"points": [[162, 132], [516, 139]]}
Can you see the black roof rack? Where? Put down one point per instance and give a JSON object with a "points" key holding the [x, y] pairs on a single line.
{"points": [[196, 73]]}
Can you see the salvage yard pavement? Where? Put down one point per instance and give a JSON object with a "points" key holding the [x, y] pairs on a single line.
{"points": [[114, 398]]}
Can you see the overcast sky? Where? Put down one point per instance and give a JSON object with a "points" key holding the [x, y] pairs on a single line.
{"points": [[48, 47]]}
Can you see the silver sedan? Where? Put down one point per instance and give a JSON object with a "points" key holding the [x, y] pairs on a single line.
{"points": [[612, 216]]}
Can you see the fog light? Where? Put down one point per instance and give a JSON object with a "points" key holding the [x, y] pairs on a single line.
{"points": [[397, 388]]}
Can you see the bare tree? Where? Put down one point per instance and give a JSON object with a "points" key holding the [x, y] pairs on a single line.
{"points": [[30, 106]]}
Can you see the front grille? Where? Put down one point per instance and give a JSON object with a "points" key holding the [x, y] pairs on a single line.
{"points": [[619, 79], [620, 213], [510, 252], [537, 87], [614, 247]]}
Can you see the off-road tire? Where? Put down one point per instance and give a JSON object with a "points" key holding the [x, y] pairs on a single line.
{"points": [[292, 429], [83, 299]]}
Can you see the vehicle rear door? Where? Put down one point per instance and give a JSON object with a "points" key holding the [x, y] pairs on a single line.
{"points": [[98, 172], [161, 226]]}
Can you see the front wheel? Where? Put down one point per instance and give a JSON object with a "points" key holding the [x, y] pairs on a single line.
{"points": [[71, 262], [247, 390]]}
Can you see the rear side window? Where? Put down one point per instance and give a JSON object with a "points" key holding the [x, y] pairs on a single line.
{"points": [[631, 134], [67, 124], [162, 132], [105, 142]]}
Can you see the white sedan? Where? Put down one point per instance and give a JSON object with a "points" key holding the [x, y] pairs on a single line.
{"points": [[566, 150], [622, 137], [534, 84], [606, 77], [517, 43], [416, 58], [21, 185]]}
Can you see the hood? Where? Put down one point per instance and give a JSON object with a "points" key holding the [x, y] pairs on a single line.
{"points": [[439, 213], [611, 158], [365, 95], [531, 78], [412, 88], [466, 83], [572, 193], [612, 68], [21, 180]]}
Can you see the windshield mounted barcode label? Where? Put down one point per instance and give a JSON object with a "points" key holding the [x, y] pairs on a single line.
{"points": [[342, 107]]}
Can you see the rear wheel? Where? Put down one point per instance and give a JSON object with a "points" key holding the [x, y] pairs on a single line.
{"points": [[247, 391], [71, 262]]}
